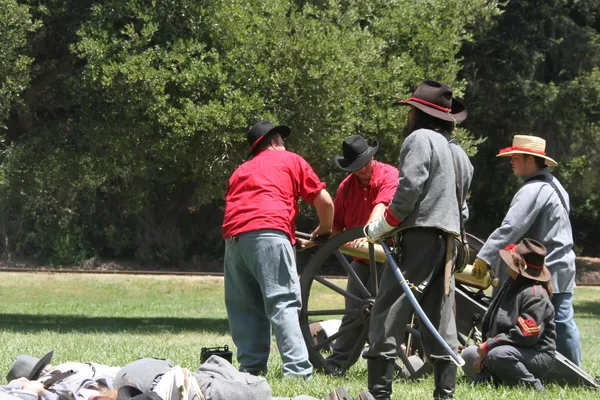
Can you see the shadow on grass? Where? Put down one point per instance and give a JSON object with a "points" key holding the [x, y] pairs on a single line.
{"points": [[80, 323], [587, 308]]}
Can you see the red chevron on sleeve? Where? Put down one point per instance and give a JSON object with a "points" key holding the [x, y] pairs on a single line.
{"points": [[528, 326]]}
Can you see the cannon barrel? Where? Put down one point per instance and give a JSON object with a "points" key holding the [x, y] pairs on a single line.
{"points": [[464, 277]]}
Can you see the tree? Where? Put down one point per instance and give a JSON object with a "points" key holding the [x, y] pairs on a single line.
{"points": [[536, 72], [146, 119]]}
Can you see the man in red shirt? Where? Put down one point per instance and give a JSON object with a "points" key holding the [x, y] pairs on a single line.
{"points": [[262, 290], [361, 198]]}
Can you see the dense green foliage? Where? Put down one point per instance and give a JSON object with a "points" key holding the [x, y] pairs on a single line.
{"points": [[137, 110], [125, 119], [536, 72]]}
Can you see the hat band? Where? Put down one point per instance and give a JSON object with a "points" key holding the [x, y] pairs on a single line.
{"points": [[514, 252], [418, 100], [359, 155], [516, 148]]}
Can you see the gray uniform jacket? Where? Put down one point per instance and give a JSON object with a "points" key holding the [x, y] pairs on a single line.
{"points": [[426, 193], [536, 212], [521, 315]]}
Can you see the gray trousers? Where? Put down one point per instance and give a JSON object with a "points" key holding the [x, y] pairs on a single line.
{"points": [[511, 365], [262, 291], [423, 257], [343, 346]]}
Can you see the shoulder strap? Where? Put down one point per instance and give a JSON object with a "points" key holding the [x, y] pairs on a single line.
{"points": [[549, 179], [458, 194]]}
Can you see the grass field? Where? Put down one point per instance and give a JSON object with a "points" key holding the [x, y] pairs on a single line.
{"points": [[114, 319]]}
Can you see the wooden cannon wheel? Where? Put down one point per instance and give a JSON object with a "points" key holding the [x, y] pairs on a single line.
{"points": [[326, 272]]}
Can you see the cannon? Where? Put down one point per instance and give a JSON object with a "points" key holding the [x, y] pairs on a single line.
{"points": [[328, 268]]}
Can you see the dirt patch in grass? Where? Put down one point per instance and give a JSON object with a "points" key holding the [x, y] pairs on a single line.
{"points": [[588, 268]]}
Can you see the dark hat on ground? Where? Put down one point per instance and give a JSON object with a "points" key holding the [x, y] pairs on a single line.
{"points": [[261, 129], [436, 99], [130, 393], [140, 374], [29, 367], [356, 153], [527, 259]]}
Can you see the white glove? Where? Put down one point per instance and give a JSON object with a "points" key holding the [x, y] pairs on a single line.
{"points": [[376, 229]]}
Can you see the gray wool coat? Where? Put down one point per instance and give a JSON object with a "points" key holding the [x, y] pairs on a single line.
{"points": [[537, 212], [426, 193]]}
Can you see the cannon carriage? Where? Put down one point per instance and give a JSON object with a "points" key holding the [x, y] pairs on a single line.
{"points": [[329, 267]]}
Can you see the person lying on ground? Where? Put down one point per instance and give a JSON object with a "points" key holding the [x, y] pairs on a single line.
{"points": [[143, 379]]}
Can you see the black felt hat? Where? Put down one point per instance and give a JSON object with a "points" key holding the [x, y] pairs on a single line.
{"points": [[357, 153], [261, 129]]}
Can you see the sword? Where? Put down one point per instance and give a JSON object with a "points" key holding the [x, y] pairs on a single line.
{"points": [[458, 360]]}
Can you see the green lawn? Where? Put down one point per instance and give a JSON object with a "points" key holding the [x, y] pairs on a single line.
{"points": [[114, 319]]}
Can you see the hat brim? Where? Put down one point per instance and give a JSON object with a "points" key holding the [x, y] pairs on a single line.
{"points": [[358, 162], [458, 111], [37, 369], [127, 392], [543, 276], [549, 162], [284, 131]]}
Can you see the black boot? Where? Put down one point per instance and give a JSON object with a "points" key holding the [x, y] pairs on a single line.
{"points": [[444, 374], [381, 375]]}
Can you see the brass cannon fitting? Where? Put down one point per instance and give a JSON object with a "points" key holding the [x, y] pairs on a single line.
{"points": [[464, 277]]}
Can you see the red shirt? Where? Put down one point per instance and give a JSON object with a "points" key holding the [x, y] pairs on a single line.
{"points": [[354, 201], [263, 193]]}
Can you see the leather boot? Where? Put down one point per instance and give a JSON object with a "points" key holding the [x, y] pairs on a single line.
{"points": [[340, 393], [381, 375], [364, 395], [444, 374]]}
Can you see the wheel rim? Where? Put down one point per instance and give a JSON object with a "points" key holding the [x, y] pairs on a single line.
{"points": [[316, 271]]}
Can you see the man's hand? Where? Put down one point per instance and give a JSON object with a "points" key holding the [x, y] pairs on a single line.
{"points": [[375, 230], [358, 243], [323, 232], [481, 350], [480, 268], [303, 244], [35, 387]]}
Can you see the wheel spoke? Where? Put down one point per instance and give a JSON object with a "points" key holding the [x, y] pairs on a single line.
{"points": [[336, 288], [352, 274], [338, 334], [374, 283]]}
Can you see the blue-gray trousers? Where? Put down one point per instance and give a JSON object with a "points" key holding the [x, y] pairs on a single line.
{"points": [[262, 290], [510, 364], [423, 256]]}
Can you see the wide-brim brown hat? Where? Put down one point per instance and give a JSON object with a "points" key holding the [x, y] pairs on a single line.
{"points": [[435, 98], [261, 130], [28, 366], [527, 259], [526, 144], [357, 153]]}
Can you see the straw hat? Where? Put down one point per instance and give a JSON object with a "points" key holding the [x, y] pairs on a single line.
{"points": [[525, 144]]}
